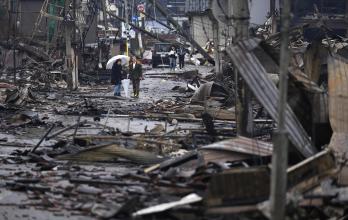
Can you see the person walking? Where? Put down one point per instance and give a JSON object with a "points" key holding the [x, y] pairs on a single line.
{"points": [[181, 54], [116, 77], [136, 74], [172, 58]]}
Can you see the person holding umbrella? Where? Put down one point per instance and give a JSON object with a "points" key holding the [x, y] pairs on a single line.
{"points": [[136, 74], [172, 58], [116, 76]]}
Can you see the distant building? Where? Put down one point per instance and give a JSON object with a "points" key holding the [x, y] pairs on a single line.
{"points": [[176, 7], [332, 12], [201, 26]]}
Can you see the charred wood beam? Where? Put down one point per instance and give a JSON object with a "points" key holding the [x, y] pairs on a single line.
{"points": [[30, 50], [139, 28], [160, 22], [65, 129], [42, 139]]}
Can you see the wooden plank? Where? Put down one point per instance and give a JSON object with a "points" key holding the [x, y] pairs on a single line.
{"points": [[338, 109], [241, 185], [307, 174], [252, 185]]}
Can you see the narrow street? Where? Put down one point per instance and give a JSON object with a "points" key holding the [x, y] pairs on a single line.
{"points": [[42, 188]]}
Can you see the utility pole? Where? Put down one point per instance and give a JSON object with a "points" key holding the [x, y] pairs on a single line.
{"points": [[272, 9], [280, 140], [346, 16], [241, 16], [75, 71], [126, 25], [68, 55], [104, 16], [217, 55], [213, 14], [14, 13]]}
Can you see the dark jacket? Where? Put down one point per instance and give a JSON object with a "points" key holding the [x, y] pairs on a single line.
{"points": [[135, 73], [116, 73], [181, 52]]}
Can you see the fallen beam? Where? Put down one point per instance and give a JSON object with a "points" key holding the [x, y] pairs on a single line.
{"points": [[186, 35], [42, 139], [140, 29], [139, 139], [55, 134]]}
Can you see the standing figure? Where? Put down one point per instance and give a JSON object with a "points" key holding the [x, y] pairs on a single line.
{"points": [[116, 77], [181, 54], [136, 74], [172, 58]]}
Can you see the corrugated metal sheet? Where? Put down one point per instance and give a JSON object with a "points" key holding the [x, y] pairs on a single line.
{"points": [[242, 145], [267, 93], [194, 6], [305, 82]]}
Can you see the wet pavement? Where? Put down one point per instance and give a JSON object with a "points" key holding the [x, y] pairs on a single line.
{"points": [[43, 188]]}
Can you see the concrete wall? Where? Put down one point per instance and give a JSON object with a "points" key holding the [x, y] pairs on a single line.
{"points": [[3, 21], [201, 29]]}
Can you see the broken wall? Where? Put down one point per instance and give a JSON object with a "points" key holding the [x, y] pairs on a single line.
{"points": [[3, 21], [201, 28]]}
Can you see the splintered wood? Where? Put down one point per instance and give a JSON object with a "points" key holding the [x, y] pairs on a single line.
{"points": [[338, 108]]}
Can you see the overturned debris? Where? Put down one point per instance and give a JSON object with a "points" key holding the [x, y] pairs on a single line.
{"points": [[266, 92]]}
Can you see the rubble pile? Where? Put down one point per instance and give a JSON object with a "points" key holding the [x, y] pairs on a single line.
{"points": [[175, 152]]}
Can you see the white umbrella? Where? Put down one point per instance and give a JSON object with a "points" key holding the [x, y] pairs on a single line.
{"points": [[124, 61]]}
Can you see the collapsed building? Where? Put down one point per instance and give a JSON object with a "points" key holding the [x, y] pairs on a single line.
{"points": [[69, 148]]}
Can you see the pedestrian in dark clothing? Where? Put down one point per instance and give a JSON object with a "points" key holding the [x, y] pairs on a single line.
{"points": [[136, 74], [116, 77], [181, 54]]}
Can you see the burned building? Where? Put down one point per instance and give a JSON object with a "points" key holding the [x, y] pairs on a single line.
{"points": [[318, 13], [43, 18]]}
